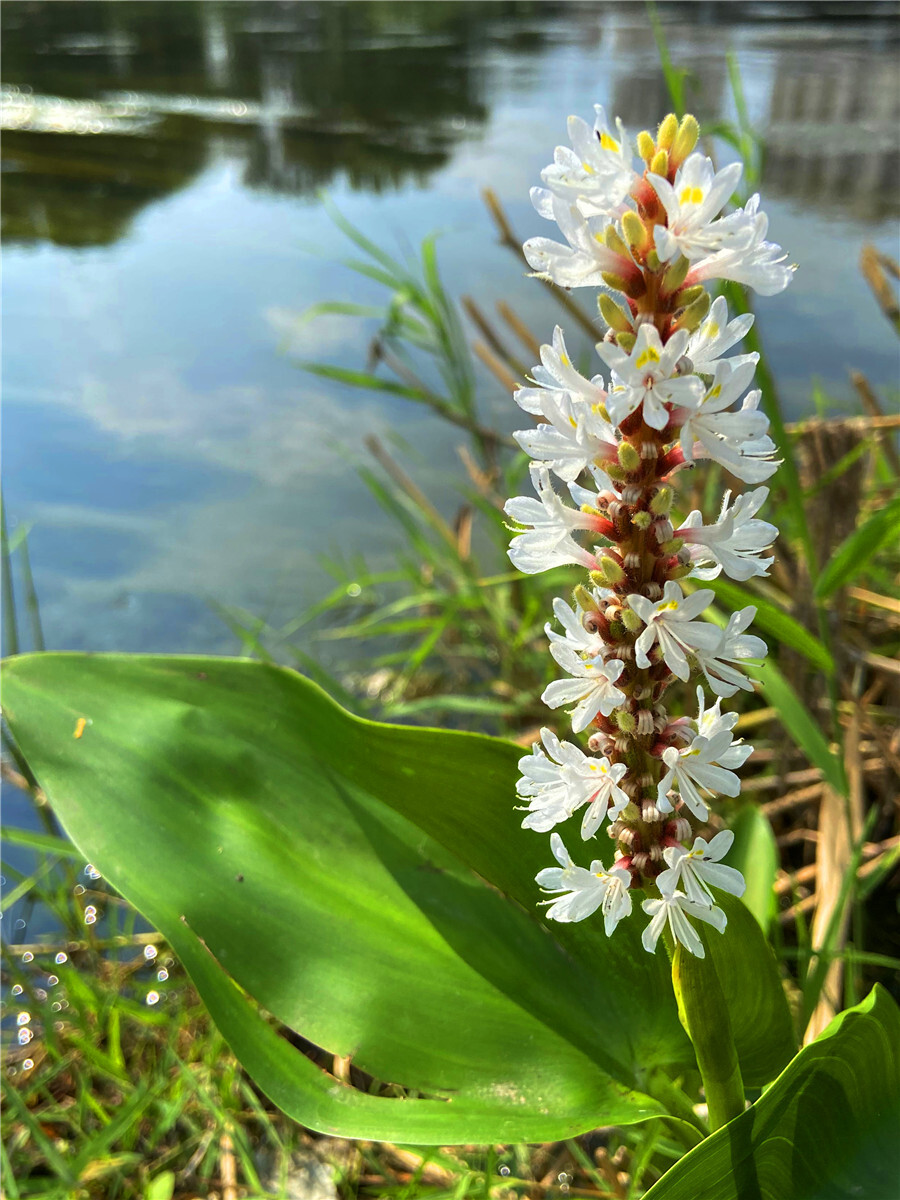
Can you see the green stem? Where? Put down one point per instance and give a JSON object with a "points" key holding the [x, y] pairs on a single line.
{"points": [[704, 1014]]}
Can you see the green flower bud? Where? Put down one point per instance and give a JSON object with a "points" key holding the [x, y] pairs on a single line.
{"points": [[614, 315], [628, 456], [661, 503]]}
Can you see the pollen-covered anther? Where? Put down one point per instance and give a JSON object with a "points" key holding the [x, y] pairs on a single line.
{"points": [[663, 530], [622, 744], [655, 852], [684, 366], [649, 451], [650, 814], [653, 591], [631, 493], [631, 561], [614, 509], [625, 650], [641, 861], [647, 780]]}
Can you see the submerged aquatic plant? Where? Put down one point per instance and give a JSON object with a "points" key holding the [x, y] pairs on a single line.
{"points": [[654, 233]]}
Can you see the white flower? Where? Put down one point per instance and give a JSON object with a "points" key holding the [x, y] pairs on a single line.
{"points": [[647, 376], [597, 173], [675, 908], [557, 783], [671, 622], [576, 437], [697, 197], [576, 637], [711, 721], [736, 439], [591, 689], [587, 890], [585, 259], [696, 766], [758, 264], [736, 647], [549, 542], [736, 541], [716, 335], [695, 869], [558, 377]]}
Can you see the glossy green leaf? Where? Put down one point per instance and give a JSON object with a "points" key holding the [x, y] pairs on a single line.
{"points": [[827, 1129], [855, 551], [369, 886], [755, 855], [774, 621]]}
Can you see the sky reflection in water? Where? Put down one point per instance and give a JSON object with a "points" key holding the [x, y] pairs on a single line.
{"points": [[158, 435]]}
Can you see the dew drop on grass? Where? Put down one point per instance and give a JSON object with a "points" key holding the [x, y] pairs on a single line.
{"points": [[23, 1018], [78, 889], [20, 924], [150, 952], [504, 1170], [27, 956], [90, 915], [353, 589], [25, 1036], [17, 989], [162, 974], [91, 871], [40, 993], [52, 980], [153, 997], [61, 958], [56, 1006], [28, 1064]]}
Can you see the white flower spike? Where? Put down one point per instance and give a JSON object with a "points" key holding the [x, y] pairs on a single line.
{"points": [[677, 396]]}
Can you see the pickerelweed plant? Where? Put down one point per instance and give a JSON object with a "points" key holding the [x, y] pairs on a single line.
{"points": [[653, 233]]}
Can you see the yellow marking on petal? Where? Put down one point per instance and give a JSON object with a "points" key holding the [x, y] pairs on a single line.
{"points": [[565, 360], [79, 727], [593, 766], [670, 607], [608, 143], [713, 392], [651, 354], [712, 330], [691, 195], [573, 422], [588, 168]]}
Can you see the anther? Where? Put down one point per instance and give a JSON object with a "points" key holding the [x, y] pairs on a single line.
{"points": [[644, 722], [650, 814], [649, 451], [631, 561], [631, 493]]}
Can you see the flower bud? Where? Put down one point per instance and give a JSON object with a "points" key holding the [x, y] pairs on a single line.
{"points": [[626, 341], [665, 135], [661, 504], [628, 456], [688, 295], [634, 287], [631, 620], [646, 147], [624, 720], [614, 315], [675, 275], [610, 570], [684, 141], [694, 315], [636, 233], [613, 240], [659, 164]]}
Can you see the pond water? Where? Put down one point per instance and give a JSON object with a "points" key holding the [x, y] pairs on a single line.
{"points": [[163, 224]]}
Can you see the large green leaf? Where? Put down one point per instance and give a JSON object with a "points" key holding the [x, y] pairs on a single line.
{"points": [[369, 886], [827, 1129]]}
